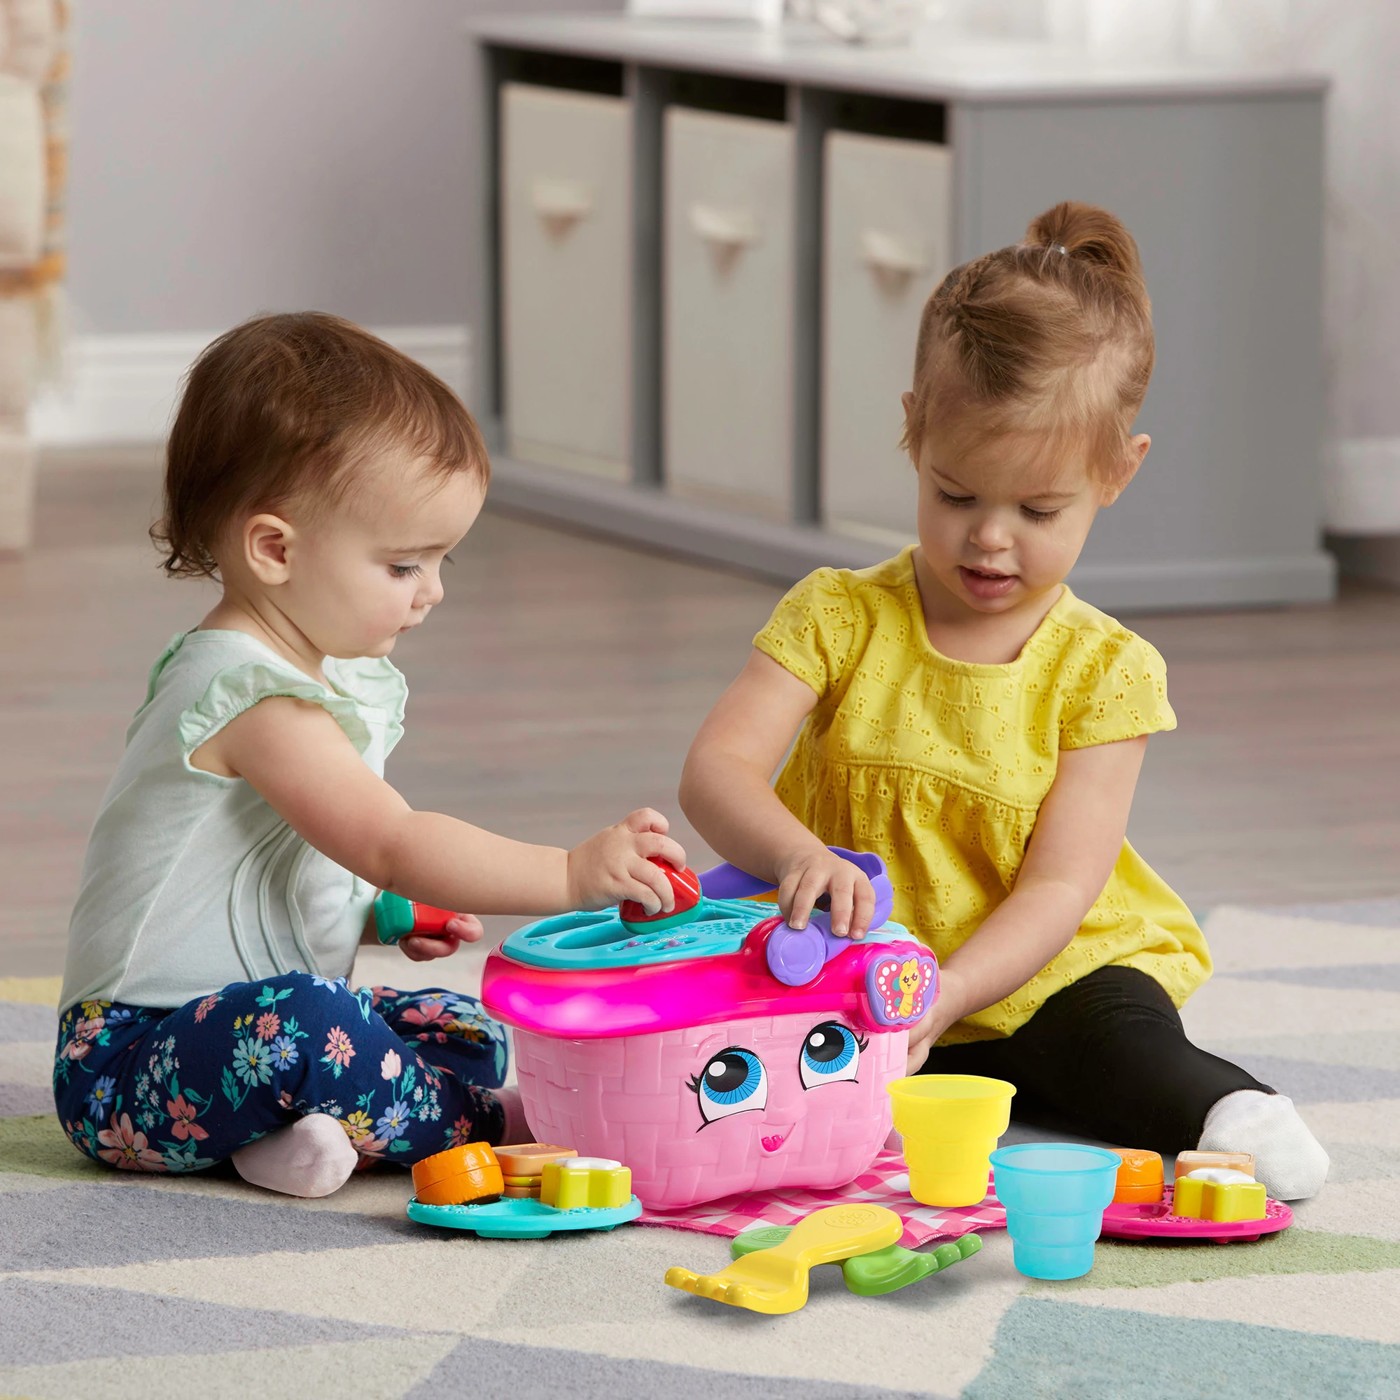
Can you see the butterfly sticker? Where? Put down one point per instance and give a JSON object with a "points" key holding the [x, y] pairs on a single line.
{"points": [[901, 985]]}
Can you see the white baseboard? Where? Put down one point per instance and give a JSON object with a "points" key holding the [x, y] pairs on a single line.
{"points": [[122, 388]]}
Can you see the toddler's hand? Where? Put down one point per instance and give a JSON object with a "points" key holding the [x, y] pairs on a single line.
{"points": [[948, 1008], [424, 947], [922, 1034], [616, 864], [804, 877]]}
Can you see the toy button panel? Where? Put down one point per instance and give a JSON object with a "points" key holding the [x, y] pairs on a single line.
{"points": [[579, 942]]}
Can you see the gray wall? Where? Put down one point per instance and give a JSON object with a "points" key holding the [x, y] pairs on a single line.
{"points": [[235, 157]]}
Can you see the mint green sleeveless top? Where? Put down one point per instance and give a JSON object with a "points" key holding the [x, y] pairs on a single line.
{"points": [[191, 881]]}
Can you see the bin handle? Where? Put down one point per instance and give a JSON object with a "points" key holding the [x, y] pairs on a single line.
{"points": [[728, 229], [561, 202], [888, 254]]}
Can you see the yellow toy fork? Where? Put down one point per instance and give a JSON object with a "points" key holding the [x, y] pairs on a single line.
{"points": [[775, 1280]]}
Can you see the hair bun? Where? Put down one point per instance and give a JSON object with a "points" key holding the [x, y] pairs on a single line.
{"points": [[1088, 233]]}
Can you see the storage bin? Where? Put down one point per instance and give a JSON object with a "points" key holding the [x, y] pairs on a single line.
{"points": [[566, 254], [888, 243], [727, 308]]}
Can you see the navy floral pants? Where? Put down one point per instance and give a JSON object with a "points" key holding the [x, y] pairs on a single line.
{"points": [[406, 1073]]}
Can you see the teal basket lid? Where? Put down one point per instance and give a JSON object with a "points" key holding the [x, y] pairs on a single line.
{"points": [[583, 941]]}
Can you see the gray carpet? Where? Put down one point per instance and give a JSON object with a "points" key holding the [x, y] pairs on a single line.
{"points": [[124, 1285]]}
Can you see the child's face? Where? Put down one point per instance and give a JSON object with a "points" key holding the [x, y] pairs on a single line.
{"points": [[368, 570], [998, 526]]}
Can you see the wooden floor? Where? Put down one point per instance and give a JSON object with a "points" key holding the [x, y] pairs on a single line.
{"points": [[561, 680]]}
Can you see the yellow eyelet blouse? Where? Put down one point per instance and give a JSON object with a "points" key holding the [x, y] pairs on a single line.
{"points": [[940, 766]]}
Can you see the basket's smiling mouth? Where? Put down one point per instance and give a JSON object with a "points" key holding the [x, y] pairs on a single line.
{"points": [[774, 1142]]}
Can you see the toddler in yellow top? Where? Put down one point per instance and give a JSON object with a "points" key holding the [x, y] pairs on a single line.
{"points": [[959, 711]]}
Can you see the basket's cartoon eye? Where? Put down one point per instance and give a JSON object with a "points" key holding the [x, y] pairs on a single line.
{"points": [[734, 1081], [830, 1053]]}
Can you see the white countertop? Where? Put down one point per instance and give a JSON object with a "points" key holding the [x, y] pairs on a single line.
{"points": [[963, 70]]}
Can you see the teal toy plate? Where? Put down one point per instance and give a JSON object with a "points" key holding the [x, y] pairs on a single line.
{"points": [[580, 942], [521, 1218]]}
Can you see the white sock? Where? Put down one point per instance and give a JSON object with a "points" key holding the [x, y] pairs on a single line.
{"points": [[1288, 1159], [311, 1157]]}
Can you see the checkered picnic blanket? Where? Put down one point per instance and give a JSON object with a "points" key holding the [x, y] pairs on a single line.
{"points": [[886, 1183]]}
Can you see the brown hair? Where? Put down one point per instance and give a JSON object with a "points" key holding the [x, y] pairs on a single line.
{"points": [[286, 406], [1050, 336]]}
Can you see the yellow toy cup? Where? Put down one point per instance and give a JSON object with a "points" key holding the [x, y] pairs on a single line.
{"points": [[950, 1124]]}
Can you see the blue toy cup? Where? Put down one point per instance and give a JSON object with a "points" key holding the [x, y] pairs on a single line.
{"points": [[1055, 1194]]}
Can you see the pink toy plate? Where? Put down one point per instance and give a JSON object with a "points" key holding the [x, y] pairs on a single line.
{"points": [[1154, 1221]]}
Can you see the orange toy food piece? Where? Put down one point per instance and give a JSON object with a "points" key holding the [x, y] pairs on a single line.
{"points": [[1140, 1180], [1187, 1162], [528, 1158], [458, 1176]]}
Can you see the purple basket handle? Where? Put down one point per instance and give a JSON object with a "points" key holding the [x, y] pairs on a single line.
{"points": [[729, 882], [795, 956]]}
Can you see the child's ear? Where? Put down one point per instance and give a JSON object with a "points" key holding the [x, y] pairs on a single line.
{"points": [[1137, 450], [266, 542]]}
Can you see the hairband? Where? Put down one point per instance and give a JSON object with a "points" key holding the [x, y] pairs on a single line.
{"points": [[1059, 248]]}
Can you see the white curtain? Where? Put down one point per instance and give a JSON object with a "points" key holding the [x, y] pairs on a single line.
{"points": [[1356, 42]]}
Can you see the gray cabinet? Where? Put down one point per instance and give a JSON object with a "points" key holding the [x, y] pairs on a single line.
{"points": [[726, 309], [565, 277], [887, 240], [788, 204]]}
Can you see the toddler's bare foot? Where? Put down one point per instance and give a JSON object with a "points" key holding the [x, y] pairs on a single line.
{"points": [[311, 1157]]}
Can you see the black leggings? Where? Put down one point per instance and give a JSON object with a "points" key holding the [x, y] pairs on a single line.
{"points": [[1105, 1058]]}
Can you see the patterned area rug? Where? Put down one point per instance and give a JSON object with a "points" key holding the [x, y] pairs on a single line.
{"points": [[134, 1286]]}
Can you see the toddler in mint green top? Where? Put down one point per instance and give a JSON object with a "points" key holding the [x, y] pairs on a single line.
{"points": [[320, 478], [191, 880]]}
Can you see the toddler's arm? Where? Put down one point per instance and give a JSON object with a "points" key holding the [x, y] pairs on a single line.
{"points": [[302, 764], [726, 792], [1078, 836]]}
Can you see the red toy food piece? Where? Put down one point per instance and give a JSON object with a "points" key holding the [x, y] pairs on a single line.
{"points": [[685, 883], [427, 918], [395, 917]]}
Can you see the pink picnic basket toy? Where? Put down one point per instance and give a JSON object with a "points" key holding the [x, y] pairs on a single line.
{"points": [[716, 1050]]}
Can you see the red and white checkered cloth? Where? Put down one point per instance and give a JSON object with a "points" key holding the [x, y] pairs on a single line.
{"points": [[886, 1183]]}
